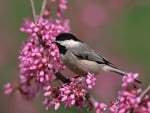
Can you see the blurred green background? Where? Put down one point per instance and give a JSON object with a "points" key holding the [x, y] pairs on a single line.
{"points": [[118, 29]]}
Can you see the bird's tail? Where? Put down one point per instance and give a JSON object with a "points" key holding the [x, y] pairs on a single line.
{"points": [[112, 68], [117, 70]]}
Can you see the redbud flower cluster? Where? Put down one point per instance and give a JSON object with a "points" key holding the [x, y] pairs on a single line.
{"points": [[72, 93], [38, 57], [131, 98]]}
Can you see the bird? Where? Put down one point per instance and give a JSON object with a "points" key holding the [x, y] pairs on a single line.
{"points": [[80, 58]]}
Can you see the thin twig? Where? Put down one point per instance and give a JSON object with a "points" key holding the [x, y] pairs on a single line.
{"points": [[35, 20], [145, 92], [62, 77], [33, 11], [141, 96], [130, 110], [43, 7]]}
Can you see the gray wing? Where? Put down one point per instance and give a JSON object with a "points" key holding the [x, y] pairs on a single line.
{"points": [[86, 53]]}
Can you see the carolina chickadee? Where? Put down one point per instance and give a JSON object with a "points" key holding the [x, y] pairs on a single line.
{"points": [[80, 58]]}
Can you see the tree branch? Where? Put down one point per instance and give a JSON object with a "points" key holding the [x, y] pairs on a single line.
{"points": [[43, 8], [145, 92], [33, 11], [62, 77]]}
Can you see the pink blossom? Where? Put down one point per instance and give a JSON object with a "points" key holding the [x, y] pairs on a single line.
{"points": [[70, 93], [90, 80], [48, 91], [47, 103], [56, 103], [129, 79], [129, 97], [8, 88], [61, 7], [148, 105], [100, 107]]}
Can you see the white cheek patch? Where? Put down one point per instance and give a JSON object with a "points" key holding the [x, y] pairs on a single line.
{"points": [[69, 43]]}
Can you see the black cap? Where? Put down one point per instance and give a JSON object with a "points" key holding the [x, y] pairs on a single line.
{"points": [[66, 36]]}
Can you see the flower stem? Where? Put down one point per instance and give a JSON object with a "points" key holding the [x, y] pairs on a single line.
{"points": [[33, 11], [43, 7], [62, 77], [145, 92]]}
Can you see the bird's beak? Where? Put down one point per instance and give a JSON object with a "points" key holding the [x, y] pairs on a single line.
{"points": [[54, 42]]}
